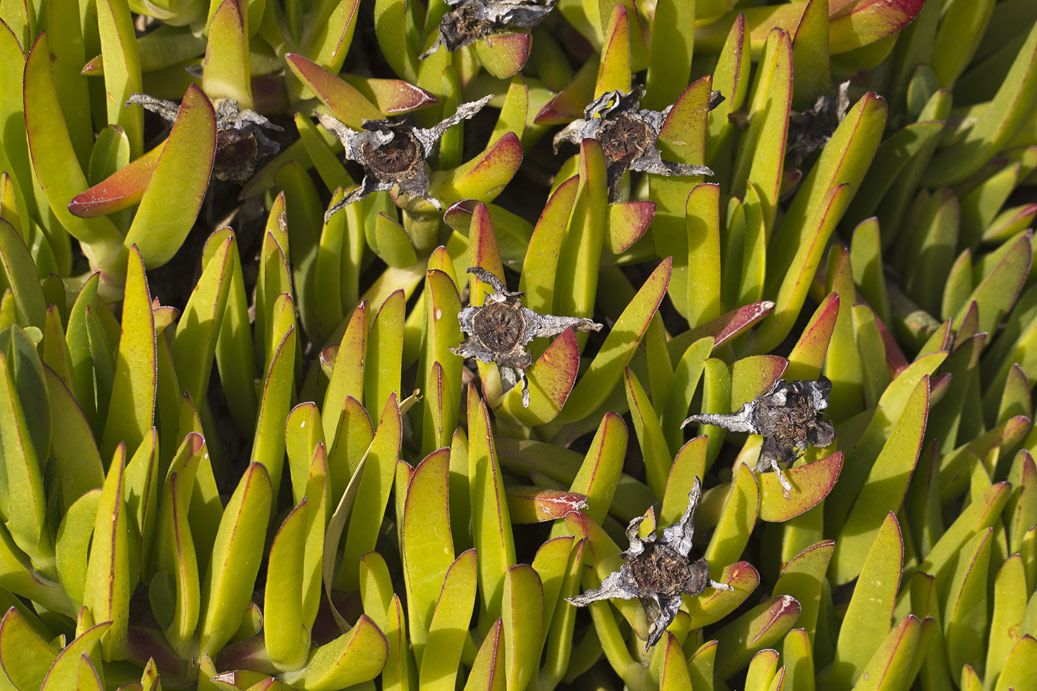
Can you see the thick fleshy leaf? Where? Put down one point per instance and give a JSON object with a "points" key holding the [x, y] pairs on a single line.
{"points": [[384, 350], [713, 605], [73, 544], [761, 153], [536, 505], [352, 658], [108, 584], [737, 519], [614, 71], [373, 492], [523, 618], [122, 78], [449, 624], [227, 69], [53, 159], [890, 666], [19, 269], [482, 177], [682, 387], [808, 355], [811, 483], [504, 55], [236, 557], [66, 668], [803, 577], [759, 628], [870, 612], [347, 374], [178, 184], [487, 673], [965, 620], [885, 487], [545, 245], [851, 25], [274, 402], [617, 350], [25, 657], [491, 522], [285, 636], [131, 411], [427, 546]]}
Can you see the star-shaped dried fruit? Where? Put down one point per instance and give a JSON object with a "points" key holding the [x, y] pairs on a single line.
{"points": [[240, 140], [657, 572], [628, 136], [499, 329], [469, 20], [787, 416], [393, 153]]}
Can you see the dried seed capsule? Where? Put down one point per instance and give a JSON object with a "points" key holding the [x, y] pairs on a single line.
{"points": [[393, 153], [628, 135], [499, 330], [657, 572], [469, 20], [240, 140], [787, 416]]}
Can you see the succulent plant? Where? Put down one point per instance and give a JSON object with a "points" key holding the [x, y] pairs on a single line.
{"points": [[240, 447]]}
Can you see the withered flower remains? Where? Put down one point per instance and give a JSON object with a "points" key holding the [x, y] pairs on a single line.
{"points": [[787, 416], [393, 153], [469, 20], [240, 140], [499, 330], [810, 129], [628, 135], [657, 572]]}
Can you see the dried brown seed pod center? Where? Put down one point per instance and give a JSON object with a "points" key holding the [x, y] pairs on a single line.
{"points": [[624, 138], [396, 158], [660, 570], [235, 149], [499, 326]]}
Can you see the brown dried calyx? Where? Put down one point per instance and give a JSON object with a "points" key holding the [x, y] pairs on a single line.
{"points": [[810, 129], [469, 20], [240, 140], [657, 572], [787, 416], [628, 136], [499, 329], [393, 153]]}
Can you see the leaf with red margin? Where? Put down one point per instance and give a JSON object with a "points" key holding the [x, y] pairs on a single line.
{"points": [[536, 504], [551, 379], [481, 178], [725, 327], [545, 245], [808, 355], [761, 627], [811, 483], [605, 370], [227, 68], [852, 23], [346, 103], [614, 70], [118, 191], [713, 605], [174, 196], [568, 104], [391, 96], [504, 55], [626, 224]]}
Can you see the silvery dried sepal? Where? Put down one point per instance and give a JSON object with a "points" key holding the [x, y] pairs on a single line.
{"points": [[628, 135], [657, 572], [470, 20], [393, 153], [787, 416], [810, 129], [499, 329], [240, 140]]}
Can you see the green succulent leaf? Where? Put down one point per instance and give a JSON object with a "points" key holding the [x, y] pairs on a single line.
{"points": [[449, 624], [236, 557]]}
